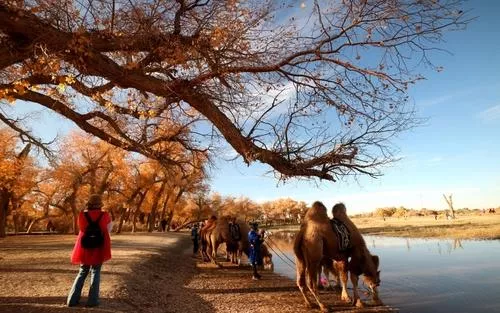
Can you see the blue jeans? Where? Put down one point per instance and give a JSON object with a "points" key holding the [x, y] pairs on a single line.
{"points": [[76, 290]]}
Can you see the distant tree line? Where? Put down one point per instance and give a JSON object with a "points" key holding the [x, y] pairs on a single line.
{"points": [[402, 212]]}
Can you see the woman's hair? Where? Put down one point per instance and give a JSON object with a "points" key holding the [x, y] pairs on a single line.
{"points": [[95, 202]]}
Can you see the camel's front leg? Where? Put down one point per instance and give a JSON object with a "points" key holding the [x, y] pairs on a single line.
{"points": [[341, 268], [312, 283], [301, 280], [239, 255], [356, 300]]}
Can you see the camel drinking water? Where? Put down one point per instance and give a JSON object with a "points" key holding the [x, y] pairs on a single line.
{"points": [[317, 242]]}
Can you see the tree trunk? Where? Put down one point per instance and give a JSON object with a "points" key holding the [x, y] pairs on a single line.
{"points": [[30, 226], [134, 220], [74, 211], [15, 219], [33, 222], [4, 207], [138, 209], [449, 200], [120, 222], [171, 212], [154, 208], [164, 210], [183, 224], [170, 216]]}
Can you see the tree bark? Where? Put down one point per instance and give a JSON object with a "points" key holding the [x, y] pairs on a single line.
{"points": [[123, 210], [5, 196], [449, 201], [154, 208]]}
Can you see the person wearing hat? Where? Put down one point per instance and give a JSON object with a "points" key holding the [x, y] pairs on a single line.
{"points": [[195, 237], [92, 248], [255, 240]]}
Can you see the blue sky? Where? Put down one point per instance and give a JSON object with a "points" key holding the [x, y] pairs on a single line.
{"points": [[456, 151]]}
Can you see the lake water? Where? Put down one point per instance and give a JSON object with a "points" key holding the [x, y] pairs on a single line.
{"points": [[426, 275]]}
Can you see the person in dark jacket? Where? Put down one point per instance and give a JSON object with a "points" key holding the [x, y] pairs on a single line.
{"points": [[255, 240], [195, 237]]}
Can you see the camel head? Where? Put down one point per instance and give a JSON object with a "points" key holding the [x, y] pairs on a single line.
{"points": [[372, 276]]}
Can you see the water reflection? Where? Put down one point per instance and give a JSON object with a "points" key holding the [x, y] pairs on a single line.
{"points": [[285, 239], [427, 275]]}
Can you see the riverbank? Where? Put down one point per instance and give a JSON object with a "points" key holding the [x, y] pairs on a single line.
{"points": [[148, 273], [462, 227], [485, 226]]}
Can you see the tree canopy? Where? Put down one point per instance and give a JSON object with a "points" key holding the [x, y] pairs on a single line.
{"points": [[314, 90]]}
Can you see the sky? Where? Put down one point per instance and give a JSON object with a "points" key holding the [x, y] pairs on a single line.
{"points": [[456, 151]]}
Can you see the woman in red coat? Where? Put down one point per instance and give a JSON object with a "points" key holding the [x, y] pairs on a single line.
{"points": [[92, 248]]}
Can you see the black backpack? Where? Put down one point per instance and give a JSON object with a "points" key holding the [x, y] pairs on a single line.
{"points": [[92, 236]]}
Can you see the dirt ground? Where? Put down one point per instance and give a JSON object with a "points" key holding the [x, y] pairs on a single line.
{"points": [[148, 273]]}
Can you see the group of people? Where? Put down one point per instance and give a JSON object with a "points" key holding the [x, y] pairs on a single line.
{"points": [[93, 247]]}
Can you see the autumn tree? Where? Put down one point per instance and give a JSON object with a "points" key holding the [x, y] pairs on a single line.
{"points": [[314, 91], [84, 165], [17, 176]]}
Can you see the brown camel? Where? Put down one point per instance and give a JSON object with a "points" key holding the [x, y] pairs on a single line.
{"points": [[205, 233], [361, 261], [219, 233], [317, 242]]}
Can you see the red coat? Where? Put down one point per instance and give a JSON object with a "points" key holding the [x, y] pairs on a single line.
{"points": [[95, 256]]}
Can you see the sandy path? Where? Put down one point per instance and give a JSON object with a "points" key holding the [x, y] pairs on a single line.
{"points": [[148, 273]]}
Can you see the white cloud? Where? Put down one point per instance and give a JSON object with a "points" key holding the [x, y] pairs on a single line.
{"points": [[435, 101], [435, 159], [490, 114]]}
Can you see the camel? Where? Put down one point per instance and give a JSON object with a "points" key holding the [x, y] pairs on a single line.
{"points": [[361, 261], [205, 233], [219, 233], [317, 242]]}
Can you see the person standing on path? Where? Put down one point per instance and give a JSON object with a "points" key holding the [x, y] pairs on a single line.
{"points": [[255, 242], [195, 237], [163, 224], [92, 248]]}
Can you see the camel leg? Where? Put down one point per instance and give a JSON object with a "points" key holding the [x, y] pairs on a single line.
{"points": [[212, 251], [215, 247], [337, 278], [301, 280], [341, 268], [356, 299], [234, 256], [312, 283], [203, 252]]}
